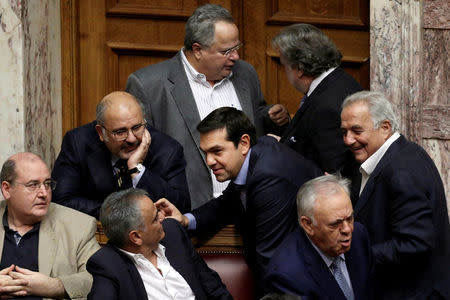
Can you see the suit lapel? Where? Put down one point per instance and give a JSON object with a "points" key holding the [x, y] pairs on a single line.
{"points": [[371, 183], [97, 159], [243, 93], [48, 244]]}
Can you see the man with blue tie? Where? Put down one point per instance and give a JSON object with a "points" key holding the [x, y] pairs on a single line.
{"points": [[260, 199], [328, 256], [311, 61]]}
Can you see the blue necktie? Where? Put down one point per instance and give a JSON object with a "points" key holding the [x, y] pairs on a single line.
{"points": [[336, 269]]}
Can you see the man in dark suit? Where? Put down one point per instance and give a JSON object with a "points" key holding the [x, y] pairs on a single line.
{"points": [[145, 259], [204, 75], [118, 151], [400, 198], [306, 263], [311, 61], [260, 200]]}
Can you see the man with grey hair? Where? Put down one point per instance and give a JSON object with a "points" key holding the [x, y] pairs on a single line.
{"points": [[328, 256], [311, 61], [146, 258], [400, 198], [206, 74], [44, 246], [117, 151]]}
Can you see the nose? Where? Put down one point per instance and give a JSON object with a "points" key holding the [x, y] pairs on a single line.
{"points": [[210, 160], [43, 191], [346, 228], [234, 55], [348, 138], [131, 138]]}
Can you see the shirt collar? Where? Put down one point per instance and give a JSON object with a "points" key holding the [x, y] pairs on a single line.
{"points": [[193, 74], [241, 179], [326, 258], [160, 252], [370, 164], [316, 81], [6, 224]]}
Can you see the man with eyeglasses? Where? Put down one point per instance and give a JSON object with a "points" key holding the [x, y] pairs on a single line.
{"points": [[115, 152], [44, 246], [206, 74]]}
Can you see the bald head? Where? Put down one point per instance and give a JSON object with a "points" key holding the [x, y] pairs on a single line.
{"points": [[116, 101], [8, 172]]}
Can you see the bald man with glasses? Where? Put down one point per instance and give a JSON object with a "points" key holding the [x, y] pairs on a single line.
{"points": [[118, 151]]}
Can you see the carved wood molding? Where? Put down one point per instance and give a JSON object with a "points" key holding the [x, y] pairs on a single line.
{"points": [[117, 9], [435, 122], [124, 47]]}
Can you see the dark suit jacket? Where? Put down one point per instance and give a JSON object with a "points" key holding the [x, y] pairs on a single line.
{"points": [[171, 108], [316, 125], [85, 175], [297, 268], [116, 276], [404, 209], [274, 176]]}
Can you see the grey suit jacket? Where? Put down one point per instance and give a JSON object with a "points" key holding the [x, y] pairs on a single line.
{"points": [[66, 241], [171, 108]]}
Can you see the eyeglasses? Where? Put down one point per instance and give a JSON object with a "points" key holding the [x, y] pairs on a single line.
{"points": [[35, 185], [122, 134], [229, 51]]}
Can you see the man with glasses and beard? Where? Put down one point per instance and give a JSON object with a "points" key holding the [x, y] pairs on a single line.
{"points": [[118, 151]]}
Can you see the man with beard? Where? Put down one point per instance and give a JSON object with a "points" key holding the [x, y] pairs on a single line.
{"points": [[118, 151]]}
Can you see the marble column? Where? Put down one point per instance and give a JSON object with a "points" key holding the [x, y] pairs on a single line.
{"points": [[409, 62], [30, 78]]}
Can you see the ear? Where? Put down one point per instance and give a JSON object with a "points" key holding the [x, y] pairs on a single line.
{"points": [[299, 71], [306, 224], [6, 186], [196, 50], [99, 130], [135, 238], [386, 128], [244, 143]]}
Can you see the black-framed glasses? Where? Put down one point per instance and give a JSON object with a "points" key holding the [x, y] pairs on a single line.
{"points": [[122, 134], [229, 51], [35, 185]]}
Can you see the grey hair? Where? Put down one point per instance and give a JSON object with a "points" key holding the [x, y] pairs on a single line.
{"points": [[308, 48], [105, 103], [120, 213], [310, 191], [200, 26], [380, 108], [8, 172]]}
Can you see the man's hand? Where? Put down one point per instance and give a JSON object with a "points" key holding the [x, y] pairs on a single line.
{"points": [[170, 211], [10, 287], [38, 284], [279, 114], [140, 153]]}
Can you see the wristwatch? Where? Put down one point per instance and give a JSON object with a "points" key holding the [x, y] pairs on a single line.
{"points": [[138, 169]]}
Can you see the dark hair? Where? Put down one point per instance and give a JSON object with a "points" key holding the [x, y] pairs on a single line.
{"points": [[281, 297], [8, 172], [200, 26], [120, 214], [235, 122], [307, 47]]}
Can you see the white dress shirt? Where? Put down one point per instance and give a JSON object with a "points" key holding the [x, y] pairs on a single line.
{"points": [[208, 98], [317, 81], [167, 285], [371, 163]]}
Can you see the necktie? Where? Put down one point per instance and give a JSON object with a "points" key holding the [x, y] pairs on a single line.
{"points": [[336, 270], [302, 101], [123, 178], [242, 194]]}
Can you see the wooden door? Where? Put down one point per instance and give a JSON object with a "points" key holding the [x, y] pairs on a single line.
{"points": [[103, 41]]}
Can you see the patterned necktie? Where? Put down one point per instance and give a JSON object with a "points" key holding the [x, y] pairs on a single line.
{"points": [[123, 178], [242, 194], [336, 270]]}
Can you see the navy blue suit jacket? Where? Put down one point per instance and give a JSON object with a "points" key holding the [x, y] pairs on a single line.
{"points": [[315, 130], [85, 175], [404, 209], [297, 268], [116, 276], [274, 176]]}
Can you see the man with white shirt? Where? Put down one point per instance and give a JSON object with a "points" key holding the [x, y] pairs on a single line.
{"points": [[206, 74], [311, 61], [117, 151], [146, 258], [400, 198]]}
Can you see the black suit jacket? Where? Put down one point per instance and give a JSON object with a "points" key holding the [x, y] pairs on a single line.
{"points": [[297, 268], [116, 276], [404, 209], [315, 130], [274, 176], [165, 90], [85, 175]]}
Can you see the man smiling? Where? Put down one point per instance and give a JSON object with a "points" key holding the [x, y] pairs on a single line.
{"points": [[118, 151]]}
